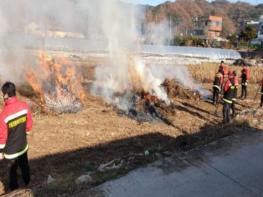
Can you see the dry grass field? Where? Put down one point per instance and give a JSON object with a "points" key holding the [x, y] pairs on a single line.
{"points": [[69, 145], [205, 72]]}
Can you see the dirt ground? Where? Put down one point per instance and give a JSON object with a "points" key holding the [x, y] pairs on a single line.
{"points": [[68, 145]]}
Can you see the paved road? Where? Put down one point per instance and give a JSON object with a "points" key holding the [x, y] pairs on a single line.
{"points": [[229, 167]]}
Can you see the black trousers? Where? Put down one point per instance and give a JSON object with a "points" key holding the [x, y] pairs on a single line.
{"points": [[226, 112], [244, 91], [22, 163], [261, 101], [215, 95]]}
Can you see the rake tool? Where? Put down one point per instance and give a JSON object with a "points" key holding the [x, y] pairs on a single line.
{"points": [[217, 104]]}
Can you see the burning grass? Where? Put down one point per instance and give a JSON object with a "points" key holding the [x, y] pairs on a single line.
{"points": [[146, 107], [145, 92], [175, 89], [57, 85]]}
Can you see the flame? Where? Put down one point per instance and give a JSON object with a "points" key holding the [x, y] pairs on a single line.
{"points": [[143, 80], [56, 83], [117, 88], [137, 71]]}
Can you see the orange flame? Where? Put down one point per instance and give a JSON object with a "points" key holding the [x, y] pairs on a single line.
{"points": [[136, 76], [56, 80]]}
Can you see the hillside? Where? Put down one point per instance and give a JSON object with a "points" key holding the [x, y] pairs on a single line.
{"points": [[182, 12]]}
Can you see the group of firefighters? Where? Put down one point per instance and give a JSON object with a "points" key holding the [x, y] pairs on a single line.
{"points": [[226, 81]]}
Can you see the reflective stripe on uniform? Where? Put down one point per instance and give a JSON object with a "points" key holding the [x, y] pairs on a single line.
{"points": [[216, 86], [16, 115], [227, 101], [234, 99], [13, 156], [2, 146]]}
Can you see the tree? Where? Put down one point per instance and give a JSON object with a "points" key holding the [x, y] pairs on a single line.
{"points": [[248, 33]]}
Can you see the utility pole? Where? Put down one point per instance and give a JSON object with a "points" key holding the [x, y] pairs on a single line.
{"points": [[170, 27]]}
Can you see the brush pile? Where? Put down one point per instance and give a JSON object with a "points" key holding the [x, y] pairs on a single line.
{"points": [[145, 107], [175, 89]]}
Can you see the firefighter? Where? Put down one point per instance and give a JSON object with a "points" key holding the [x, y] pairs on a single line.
{"points": [[245, 75], [224, 69], [221, 67], [217, 85], [228, 96], [230, 74], [15, 123], [235, 79]]}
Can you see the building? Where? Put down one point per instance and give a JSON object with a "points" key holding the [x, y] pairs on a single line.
{"points": [[259, 39], [214, 27], [208, 27]]}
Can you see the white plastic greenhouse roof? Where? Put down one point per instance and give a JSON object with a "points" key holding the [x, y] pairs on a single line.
{"points": [[196, 52]]}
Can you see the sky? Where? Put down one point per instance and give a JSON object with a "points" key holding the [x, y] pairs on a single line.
{"points": [[156, 2]]}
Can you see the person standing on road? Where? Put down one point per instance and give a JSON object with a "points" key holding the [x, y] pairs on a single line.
{"points": [[245, 76], [229, 91], [15, 123]]}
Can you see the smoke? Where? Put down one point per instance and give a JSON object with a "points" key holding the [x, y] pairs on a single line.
{"points": [[127, 73], [158, 33], [27, 24], [181, 74]]}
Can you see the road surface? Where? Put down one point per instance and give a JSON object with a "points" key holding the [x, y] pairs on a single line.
{"points": [[229, 167]]}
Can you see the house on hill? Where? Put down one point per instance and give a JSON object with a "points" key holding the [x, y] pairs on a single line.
{"points": [[208, 27]]}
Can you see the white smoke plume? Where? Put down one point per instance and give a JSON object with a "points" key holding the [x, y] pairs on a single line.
{"points": [[179, 72], [26, 24], [158, 33]]}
